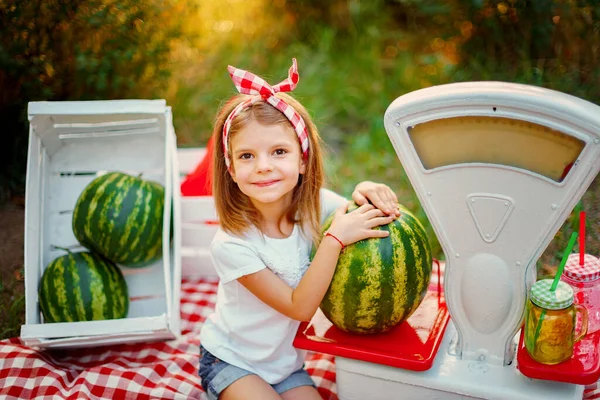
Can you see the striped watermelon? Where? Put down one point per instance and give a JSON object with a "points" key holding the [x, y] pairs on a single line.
{"points": [[120, 217], [82, 286], [379, 283]]}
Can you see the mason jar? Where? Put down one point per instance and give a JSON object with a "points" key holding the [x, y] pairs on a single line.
{"points": [[585, 282], [550, 322]]}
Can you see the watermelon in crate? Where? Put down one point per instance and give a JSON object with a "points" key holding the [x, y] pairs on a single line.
{"points": [[72, 144], [379, 282], [121, 217], [82, 286]]}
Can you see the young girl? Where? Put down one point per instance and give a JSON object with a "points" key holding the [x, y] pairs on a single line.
{"points": [[267, 179]]}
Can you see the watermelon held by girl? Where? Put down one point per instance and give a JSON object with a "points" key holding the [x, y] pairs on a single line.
{"points": [[379, 282], [120, 217], [82, 286]]}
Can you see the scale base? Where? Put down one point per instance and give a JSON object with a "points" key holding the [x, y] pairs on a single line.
{"points": [[449, 379]]}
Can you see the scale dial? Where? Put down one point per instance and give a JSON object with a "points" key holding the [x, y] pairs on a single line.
{"points": [[492, 140]]}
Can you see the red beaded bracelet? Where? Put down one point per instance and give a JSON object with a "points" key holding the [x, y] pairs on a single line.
{"points": [[339, 241]]}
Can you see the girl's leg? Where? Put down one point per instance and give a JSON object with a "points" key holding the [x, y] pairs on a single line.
{"points": [[250, 387], [302, 393]]}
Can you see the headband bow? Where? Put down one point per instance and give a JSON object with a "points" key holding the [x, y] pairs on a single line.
{"points": [[248, 83]]}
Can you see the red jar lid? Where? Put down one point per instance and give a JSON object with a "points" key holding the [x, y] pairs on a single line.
{"points": [[589, 271]]}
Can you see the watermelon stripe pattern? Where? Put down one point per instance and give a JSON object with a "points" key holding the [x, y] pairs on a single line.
{"points": [[379, 283], [121, 217], [82, 286]]}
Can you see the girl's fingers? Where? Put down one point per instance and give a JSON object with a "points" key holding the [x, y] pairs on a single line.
{"points": [[380, 221], [391, 199], [394, 197], [388, 195], [359, 199], [388, 199], [374, 213], [364, 208], [378, 202], [392, 202], [341, 210], [378, 233]]}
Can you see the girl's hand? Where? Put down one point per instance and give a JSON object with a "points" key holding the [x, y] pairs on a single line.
{"points": [[378, 194], [358, 224]]}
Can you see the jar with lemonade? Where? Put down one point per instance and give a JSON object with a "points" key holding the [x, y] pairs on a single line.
{"points": [[584, 278], [550, 322]]}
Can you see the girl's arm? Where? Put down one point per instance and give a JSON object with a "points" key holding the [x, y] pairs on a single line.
{"points": [[302, 302]]}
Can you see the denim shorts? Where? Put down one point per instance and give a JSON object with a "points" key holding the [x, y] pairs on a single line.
{"points": [[216, 375]]}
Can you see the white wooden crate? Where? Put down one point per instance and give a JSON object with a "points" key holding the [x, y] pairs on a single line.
{"points": [[198, 222], [69, 143]]}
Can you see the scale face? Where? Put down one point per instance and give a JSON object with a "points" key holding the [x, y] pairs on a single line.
{"points": [[497, 167]]}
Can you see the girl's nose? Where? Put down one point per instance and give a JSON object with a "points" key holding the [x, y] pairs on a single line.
{"points": [[264, 164]]}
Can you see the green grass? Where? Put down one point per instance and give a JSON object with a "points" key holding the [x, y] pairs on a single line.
{"points": [[12, 316]]}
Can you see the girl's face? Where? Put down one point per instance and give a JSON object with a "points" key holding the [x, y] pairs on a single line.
{"points": [[267, 162]]}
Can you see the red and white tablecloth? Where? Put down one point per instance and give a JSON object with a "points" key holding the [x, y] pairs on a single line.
{"points": [[166, 370]]}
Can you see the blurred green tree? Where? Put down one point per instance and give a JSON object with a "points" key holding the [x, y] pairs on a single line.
{"points": [[77, 50], [549, 43]]}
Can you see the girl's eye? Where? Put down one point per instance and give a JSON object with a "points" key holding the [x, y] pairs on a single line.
{"points": [[245, 156], [280, 152]]}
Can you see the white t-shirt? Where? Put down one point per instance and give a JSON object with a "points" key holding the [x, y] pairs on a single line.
{"points": [[243, 331]]}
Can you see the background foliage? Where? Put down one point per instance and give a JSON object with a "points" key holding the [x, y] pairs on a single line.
{"points": [[355, 57]]}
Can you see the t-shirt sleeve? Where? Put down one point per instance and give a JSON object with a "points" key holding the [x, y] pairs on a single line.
{"points": [[329, 202], [233, 259]]}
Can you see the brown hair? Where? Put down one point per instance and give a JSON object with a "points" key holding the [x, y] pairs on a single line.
{"points": [[235, 211]]}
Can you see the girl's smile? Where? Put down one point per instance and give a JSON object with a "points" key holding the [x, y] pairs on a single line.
{"points": [[266, 183]]}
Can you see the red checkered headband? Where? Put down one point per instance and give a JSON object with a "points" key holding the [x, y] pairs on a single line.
{"points": [[248, 83]]}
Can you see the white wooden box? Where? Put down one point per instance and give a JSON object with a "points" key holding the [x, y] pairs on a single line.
{"points": [[69, 142], [198, 222]]}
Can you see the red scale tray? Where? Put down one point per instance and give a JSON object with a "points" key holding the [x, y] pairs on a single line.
{"points": [[411, 345], [582, 369]]}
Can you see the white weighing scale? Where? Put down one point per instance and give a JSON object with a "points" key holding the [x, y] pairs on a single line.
{"points": [[498, 167]]}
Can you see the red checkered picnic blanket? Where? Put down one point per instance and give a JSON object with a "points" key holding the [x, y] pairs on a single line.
{"points": [[165, 370]]}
